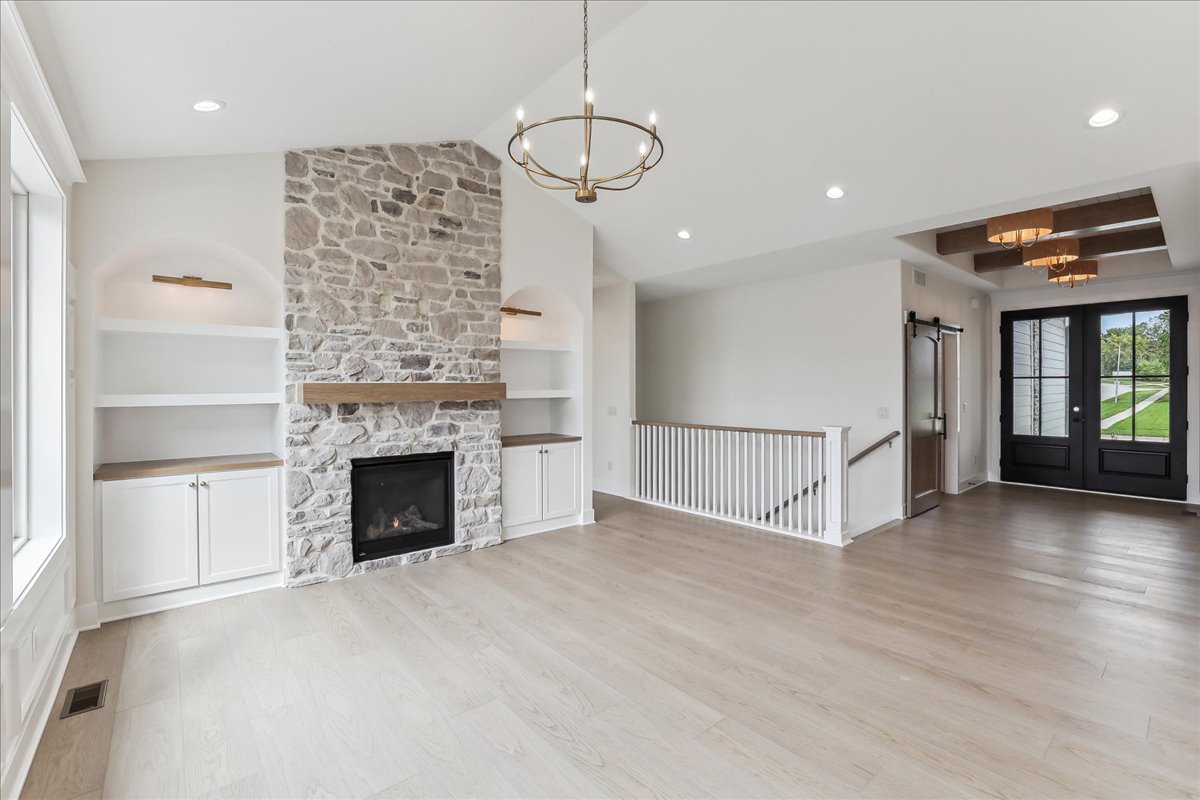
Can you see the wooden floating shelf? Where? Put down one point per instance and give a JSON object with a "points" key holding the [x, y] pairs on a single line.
{"points": [[517, 344], [184, 466], [221, 399], [539, 394], [525, 439], [364, 392], [172, 328]]}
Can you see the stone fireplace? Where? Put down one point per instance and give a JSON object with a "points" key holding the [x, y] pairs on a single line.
{"points": [[399, 504], [392, 260]]}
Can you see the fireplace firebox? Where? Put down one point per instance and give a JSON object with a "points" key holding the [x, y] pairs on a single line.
{"points": [[399, 504]]}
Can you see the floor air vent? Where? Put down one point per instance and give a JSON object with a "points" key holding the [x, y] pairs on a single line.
{"points": [[84, 698]]}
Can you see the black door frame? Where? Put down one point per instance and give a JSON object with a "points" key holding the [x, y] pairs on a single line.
{"points": [[1104, 470], [1082, 460], [1044, 460]]}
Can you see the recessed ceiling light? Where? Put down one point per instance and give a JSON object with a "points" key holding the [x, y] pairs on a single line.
{"points": [[684, 235], [1104, 117], [835, 193], [207, 106]]}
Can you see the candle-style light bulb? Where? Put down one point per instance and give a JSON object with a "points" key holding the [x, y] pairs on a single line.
{"points": [[520, 113], [525, 143], [642, 148], [583, 159], [589, 95], [653, 118]]}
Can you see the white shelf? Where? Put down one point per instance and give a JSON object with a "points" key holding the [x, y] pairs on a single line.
{"points": [[538, 394], [172, 328], [518, 344], [219, 399]]}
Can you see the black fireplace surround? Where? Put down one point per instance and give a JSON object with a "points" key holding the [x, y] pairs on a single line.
{"points": [[401, 503]]}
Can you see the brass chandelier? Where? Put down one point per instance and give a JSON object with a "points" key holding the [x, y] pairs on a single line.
{"points": [[650, 150]]}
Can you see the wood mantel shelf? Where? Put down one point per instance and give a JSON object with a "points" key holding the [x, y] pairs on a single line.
{"points": [[525, 439], [184, 466], [369, 392]]}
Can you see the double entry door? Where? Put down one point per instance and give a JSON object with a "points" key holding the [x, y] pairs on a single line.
{"points": [[1095, 397]]}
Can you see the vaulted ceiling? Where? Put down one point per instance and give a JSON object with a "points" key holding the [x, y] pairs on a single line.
{"points": [[930, 115]]}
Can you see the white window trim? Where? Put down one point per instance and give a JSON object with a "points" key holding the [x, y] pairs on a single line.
{"points": [[20, 366]]}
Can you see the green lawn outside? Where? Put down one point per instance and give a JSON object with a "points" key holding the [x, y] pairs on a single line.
{"points": [[1122, 402], [1154, 421]]}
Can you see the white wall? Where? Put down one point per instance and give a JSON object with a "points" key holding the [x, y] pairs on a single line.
{"points": [[820, 349], [1105, 291], [955, 303], [546, 244], [614, 386]]}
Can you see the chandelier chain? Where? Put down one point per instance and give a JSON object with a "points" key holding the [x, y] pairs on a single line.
{"points": [[585, 46]]}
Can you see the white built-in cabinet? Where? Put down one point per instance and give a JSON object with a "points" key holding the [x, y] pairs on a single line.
{"points": [[540, 483], [179, 531]]}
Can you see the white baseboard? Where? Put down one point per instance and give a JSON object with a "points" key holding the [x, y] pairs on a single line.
{"points": [[39, 715], [150, 604], [967, 484], [87, 617], [588, 517], [859, 528]]}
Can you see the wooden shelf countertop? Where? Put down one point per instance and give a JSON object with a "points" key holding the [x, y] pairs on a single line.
{"points": [[526, 439], [184, 466], [371, 392]]}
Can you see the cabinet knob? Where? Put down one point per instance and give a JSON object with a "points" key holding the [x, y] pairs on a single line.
{"points": [[192, 485], [204, 484]]}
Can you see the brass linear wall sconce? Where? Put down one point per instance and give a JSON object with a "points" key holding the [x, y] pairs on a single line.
{"points": [[194, 281], [513, 311]]}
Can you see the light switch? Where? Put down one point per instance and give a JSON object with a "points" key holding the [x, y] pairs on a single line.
{"points": [[612, 411], [883, 412]]}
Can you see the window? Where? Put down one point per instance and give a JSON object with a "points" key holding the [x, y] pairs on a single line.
{"points": [[1135, 376], [34, 383], [1041, 376]]}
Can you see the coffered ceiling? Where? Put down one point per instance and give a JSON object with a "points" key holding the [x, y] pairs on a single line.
{"points": [[929, 114]]}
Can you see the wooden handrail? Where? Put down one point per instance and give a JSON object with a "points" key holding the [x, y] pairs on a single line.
{"points": [[770, 431], [866, 451]]}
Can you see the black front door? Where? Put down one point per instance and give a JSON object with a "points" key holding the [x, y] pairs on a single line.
{"points": [[1095, 397]]}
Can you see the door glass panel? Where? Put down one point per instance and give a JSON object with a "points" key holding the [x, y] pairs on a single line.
{"points": [[1054, 336], [1152, 343], [1152, 366], [1023, 417], [1116, 404], [1023, 348], [1052, 411], [1041, 368]]}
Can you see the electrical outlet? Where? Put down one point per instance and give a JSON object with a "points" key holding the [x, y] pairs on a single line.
{"points": [[883, 412], [964, 408]]}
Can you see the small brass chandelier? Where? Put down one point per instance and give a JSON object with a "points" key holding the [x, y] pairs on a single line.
{"points": [[650, 150], [1051, 254], [1076, 273], [1021, 229]]}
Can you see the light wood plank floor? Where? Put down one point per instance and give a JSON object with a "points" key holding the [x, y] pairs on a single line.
{"points": [[1013, 643]]}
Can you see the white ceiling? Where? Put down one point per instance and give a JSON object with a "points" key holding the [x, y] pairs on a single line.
{"points": [[929, 114], [293, 74]]}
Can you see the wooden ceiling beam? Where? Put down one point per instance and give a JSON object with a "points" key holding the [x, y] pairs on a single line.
{"points": [[1105, 244], [1125, 211]]}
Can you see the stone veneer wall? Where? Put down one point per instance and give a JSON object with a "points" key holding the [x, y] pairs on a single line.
{"points": [[392, 267]]}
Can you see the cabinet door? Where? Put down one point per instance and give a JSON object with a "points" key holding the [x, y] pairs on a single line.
{"points": [[560, 480], [239, 524], [521, 484], [148, 535]]}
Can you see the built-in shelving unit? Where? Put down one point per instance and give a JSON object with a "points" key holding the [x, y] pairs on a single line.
{"points": [[539, 394], [210, 399], [519, 344], [172, 328]]}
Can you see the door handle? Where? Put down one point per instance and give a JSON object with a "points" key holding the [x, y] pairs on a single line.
{"points": [[941, 423], [1076, 416]]}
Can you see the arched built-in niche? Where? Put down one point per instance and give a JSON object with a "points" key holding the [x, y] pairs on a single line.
{"points": [[124, 287], [184, 371], [541, 361]]}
